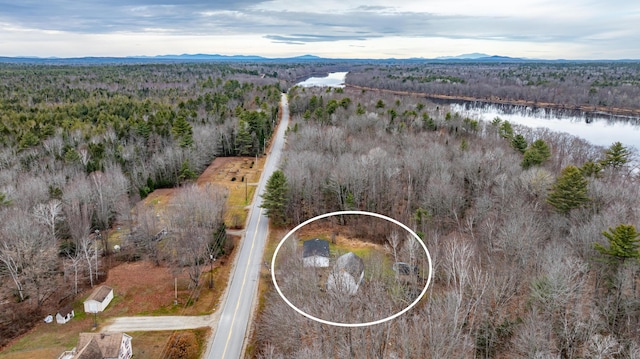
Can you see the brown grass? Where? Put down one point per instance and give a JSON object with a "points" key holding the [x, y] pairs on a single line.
{"points": [[152, 345]]}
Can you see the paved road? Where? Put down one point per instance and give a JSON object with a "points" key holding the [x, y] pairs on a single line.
{"points": [[236, 311]]}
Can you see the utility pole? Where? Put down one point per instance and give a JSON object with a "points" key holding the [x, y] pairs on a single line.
{"points": [[211, 273], [98, 236]]}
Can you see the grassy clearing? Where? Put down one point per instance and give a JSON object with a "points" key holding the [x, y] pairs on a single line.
{"points": [[239, 175], [241, 190], [343, 245], [236, 213]]}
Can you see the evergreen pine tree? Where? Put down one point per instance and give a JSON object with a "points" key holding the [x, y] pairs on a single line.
{"points": [[616, 156], [186, 173], [274, 200], [506, 130], [536, 154], [244, 142], [519, 143], [183, 132], [591, 169], [569, 191], [624, 243]]}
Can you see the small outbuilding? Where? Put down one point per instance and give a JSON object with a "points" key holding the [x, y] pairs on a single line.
{"points": [[65, 314], [98, 300], [315, 253], [347, 274]]}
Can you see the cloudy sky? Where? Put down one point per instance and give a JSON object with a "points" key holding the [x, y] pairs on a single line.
{"points": [[548, 29]]}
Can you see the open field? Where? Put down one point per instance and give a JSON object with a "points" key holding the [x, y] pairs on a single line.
{"points": [[239, 175]]}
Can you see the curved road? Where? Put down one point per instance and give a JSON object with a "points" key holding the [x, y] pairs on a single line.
{"points": [[236, 312]]}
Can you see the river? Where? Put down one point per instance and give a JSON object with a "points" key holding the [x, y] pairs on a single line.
{"points": [[597, 129], [333, 79]]}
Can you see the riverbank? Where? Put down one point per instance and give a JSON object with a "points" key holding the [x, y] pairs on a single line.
{"points": [[590, 109]]}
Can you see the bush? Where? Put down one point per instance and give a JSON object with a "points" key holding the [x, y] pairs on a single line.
{"points": [[183, 345]]}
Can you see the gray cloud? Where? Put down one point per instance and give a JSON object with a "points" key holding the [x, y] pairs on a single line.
{"points": [[103, 16], [303, 38]]}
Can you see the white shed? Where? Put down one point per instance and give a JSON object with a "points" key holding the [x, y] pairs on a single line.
{"points": [[98, 300], [65, 314]]}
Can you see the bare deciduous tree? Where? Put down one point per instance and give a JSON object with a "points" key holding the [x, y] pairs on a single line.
{"points": [[28, 256], [197, 213], [49, 214]]}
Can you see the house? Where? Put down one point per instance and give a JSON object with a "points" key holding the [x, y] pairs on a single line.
{"points": [[98, 300], [65, 314], [103, 346], [315, 253], [346, 275]]}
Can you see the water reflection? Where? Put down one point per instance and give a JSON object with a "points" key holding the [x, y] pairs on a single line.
{"points": [[599, 129], [333, 79]]}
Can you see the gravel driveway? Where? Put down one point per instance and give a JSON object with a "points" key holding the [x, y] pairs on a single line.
{"points": [[139, 324]]}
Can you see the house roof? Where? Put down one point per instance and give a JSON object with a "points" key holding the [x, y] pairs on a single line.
{"points": [[108, 344], [91, 350], [315, 247], [66, 310], [100, 293], [350, 263]]}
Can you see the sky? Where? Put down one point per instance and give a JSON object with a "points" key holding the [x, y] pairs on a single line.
{"points": [[542, 29]]}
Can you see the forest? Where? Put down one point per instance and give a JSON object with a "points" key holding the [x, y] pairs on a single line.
{"points": [[80, 145], [532, 233]]}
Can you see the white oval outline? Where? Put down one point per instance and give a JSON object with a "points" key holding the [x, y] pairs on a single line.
{"points": [[351, 325]]}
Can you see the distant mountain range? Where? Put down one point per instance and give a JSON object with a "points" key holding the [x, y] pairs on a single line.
{"points": [[472, 57]]}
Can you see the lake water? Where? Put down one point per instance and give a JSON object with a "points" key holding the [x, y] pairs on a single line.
{"points": [[333, 79], [598, 129]]}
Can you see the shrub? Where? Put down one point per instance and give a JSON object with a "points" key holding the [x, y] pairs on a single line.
{"points": [[182, 345]]}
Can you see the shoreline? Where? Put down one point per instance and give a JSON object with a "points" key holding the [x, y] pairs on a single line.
{"points": [[589, 109]]}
